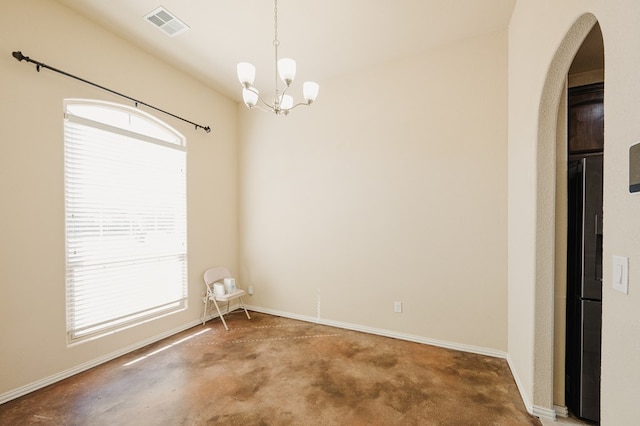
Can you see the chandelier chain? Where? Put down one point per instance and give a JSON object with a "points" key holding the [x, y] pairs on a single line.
{"points": [[276, 99], [275, 23]]}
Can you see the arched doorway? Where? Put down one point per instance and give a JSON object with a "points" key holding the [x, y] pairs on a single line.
{"points": [[550, 252], [579, 272]]}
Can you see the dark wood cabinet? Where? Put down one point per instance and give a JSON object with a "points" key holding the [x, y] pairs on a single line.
{"points": [[586, 119]]}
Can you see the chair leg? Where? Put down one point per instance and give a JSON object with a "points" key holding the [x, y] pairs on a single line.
{"points": [[204, 314], [245, 309], [221, 316]]}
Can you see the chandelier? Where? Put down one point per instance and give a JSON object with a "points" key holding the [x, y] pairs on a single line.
{"points": [[286, 69]]}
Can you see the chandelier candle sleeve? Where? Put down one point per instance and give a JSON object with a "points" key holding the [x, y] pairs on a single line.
{"points": [[285, 68]]}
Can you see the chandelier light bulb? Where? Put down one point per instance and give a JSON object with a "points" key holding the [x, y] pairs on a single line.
{"points": [[310, 91], [250, 97], [246, 73], [286, 102], [287, 70]]}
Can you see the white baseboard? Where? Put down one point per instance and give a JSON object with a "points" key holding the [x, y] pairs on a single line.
{"points": [[534, 410], [544, 413], [523, 394], [561, 411], [386, 333], [23, 390]]}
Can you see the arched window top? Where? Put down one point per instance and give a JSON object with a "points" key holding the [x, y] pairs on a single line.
{"points": [[124, 118]]}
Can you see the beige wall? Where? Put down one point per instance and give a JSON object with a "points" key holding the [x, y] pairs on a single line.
{"points": [[392, 186], [32, 272], [537, 72]]}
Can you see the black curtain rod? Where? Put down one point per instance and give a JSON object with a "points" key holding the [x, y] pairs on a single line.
{"points": [[20, 57]]}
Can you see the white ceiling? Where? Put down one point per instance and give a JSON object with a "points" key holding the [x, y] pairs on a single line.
{"points": [[326, 38]]}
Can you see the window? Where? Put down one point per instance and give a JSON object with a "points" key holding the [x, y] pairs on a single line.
{"points": [[125, 213]]}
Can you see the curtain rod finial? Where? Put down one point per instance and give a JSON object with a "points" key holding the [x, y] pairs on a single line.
{"points": [[19, 56]]}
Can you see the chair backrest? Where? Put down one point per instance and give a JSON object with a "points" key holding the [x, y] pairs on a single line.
{"points": [[216, 274]]}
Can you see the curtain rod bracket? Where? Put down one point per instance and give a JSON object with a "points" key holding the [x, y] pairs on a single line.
{"points": [[20, 57]]}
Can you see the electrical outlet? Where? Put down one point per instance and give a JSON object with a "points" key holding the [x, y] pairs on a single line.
{"points": [[250, 290], [397, 307]]}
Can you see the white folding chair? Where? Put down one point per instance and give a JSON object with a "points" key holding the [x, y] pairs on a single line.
{"points": [[212, 276]]}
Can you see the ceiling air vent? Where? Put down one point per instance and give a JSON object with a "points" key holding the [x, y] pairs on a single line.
{"points": [[165, 21]]}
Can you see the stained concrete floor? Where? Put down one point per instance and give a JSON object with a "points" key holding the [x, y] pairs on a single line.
{"points": [[278, 371]]}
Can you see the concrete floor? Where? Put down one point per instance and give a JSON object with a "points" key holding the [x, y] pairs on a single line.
{"points": [[276, 371], [564, 421]]}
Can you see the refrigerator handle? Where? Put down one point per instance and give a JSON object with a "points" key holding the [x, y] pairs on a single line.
{"points": [[597, 265]]}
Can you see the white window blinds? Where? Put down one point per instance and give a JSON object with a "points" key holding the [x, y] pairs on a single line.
{"points": [[125, 211]]}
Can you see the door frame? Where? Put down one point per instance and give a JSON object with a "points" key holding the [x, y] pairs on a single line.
{"points": [[545, 251]]}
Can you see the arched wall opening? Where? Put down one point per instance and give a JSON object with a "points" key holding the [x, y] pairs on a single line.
{"points": [[550, 139]]}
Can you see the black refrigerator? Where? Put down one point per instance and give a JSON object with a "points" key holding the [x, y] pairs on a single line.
{"points": [[584, 287]]}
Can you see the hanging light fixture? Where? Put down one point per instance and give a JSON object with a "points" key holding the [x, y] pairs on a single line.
{"points": [[286, 69]]}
